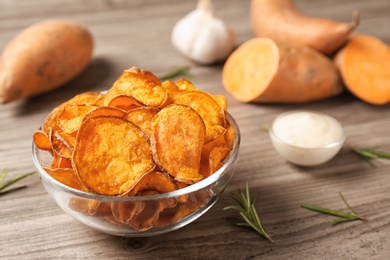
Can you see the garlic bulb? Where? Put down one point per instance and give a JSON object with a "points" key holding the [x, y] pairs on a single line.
{"points": [[203, 37]]}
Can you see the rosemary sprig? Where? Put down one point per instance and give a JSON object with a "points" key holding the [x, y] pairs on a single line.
{"points": [[371, 154], [343, 217], [180, 71], [4, 185], [248, 212]]}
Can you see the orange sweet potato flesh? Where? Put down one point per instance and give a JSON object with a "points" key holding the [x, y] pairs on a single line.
{"points": [[262, 70], [364, 65], [281, 20], [42, 57]]}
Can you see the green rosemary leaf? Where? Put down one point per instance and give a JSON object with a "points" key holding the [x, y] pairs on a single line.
{"points": [[343, 217], [4, 185], [371, 154], [248, 212], [326, 211], [180, 71]]}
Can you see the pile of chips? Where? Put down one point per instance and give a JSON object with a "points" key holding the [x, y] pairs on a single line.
{"points": [[141, 137]]}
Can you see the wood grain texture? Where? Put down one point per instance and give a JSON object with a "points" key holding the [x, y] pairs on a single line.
{"points": [[137, 33]]}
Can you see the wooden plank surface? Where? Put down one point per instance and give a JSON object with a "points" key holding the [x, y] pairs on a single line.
{"points": [[137, 33]]}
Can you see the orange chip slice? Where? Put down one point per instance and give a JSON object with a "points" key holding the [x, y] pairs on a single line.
{"points": [[41, 140], [178, 138], [217, 155], [142, 117], [172, 90], [50, 122], [213, 131], [207, 107], [149, 214], [60, 162], [91, 207], [229, 135], [124, 102], [125, 211], [86, 98], [143, 85], [221, 100], [154, 181], [111, 155], [65, 176], [105, 111], [60, 146], [205, 168], [71, 116], [185, 85]]}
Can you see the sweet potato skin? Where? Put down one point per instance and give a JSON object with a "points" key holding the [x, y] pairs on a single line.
{"points": [[281, 20], [42, 57], [301, 75]]}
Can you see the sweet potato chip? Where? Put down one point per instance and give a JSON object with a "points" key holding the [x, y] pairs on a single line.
{"points": [[213, 131], [60, 162], [60, 146], [150, 213], [124, 102], [185, 85], [142, 117], [65, 176], [91, 207], [125, 211], [71, 116], [229, 135], [221, 100], [172, 90], [207, 108], [143, 85], [41, 140], [217, 155], [178, 138], [154, 181], [87, 98], [105, 111], [111, 155]]}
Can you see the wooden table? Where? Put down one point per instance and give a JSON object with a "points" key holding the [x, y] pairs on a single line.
{"points": [[137, 33]]}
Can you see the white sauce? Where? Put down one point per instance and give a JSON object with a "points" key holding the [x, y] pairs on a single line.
{"points": [[307, 129], [307, 138]]}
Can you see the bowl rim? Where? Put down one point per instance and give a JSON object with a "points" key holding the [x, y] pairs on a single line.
{"points": [[336, 143], [189, 189]]}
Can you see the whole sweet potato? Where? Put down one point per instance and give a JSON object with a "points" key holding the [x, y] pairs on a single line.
{"points": [[42, 57]]}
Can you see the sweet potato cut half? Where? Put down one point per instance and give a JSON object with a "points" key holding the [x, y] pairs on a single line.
{"points": [[262, 70], [111, 155], [364, 65], [177, 142]]}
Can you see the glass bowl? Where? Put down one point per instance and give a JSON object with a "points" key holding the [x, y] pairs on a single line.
{"points": [[300, 153], [140, 216]]}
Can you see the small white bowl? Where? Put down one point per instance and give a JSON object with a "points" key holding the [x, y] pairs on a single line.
{"points": [[303, 154]]}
